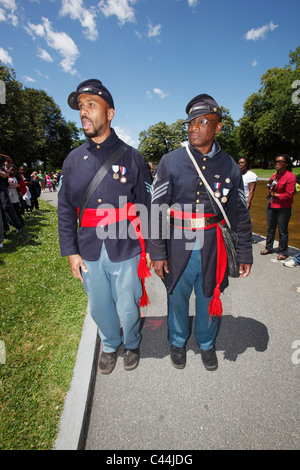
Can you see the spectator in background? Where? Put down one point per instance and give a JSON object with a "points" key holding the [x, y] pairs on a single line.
{"points": [[14, 189], [42, 178], [249, 179], [293, 262], [279, 208], [1, 226], [9, 215], [26, 196], [36, 189]]}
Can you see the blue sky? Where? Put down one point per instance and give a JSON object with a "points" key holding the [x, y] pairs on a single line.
{"points": [[153, 55]]}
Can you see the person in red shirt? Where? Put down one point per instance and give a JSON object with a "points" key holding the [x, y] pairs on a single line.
{"points": [[279, 208]]}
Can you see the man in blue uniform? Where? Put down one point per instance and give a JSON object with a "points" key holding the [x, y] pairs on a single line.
{"points": [[107, 252], [189, 252]]}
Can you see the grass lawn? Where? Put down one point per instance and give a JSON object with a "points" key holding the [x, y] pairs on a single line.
{"points": [[41, 315], [268, 173]]}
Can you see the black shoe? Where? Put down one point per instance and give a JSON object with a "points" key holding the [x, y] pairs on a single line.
{"points": [[107, 362], [209, 359], [178, 357], [131, 358]]}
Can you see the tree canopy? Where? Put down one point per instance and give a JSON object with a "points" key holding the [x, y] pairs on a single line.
{"points": [[160, 139], [271, 119], [32, 129]]}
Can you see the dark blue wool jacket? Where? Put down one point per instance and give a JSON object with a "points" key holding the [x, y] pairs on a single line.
{"points": [[177, 184], [78, 170]]}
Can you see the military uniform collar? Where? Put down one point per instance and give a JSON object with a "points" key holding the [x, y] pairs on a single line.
{"points": [[214, 150], [111, 140]]}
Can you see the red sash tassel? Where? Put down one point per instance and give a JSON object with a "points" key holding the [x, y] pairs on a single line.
{"points": [[215, 307]]}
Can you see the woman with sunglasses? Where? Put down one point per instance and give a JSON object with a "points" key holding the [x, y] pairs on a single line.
{"points": [[279, 208]]}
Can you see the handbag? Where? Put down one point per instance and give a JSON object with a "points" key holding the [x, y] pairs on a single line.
{"points": [[100, 175], [229, 236]]}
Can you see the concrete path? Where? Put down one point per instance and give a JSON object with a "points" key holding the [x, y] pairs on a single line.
{"points": [[250, 402]]}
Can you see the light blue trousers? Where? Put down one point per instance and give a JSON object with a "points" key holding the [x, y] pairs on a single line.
{"points": [[205, 330], [114, 291]]}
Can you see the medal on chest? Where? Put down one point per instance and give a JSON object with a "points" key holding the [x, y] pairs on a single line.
{"points": [[123, 172], [224, 198], [115, 169], [217, 192]]}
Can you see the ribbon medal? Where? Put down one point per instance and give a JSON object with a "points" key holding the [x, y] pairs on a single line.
{"points": [[217, 192], [115, 169], [224, 198], [123, 177]]}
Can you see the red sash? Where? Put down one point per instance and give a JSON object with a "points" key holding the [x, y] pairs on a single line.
{"points": [[215, 307], [95, 217]]}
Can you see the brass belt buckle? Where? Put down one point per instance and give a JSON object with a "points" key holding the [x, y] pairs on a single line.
{"points": [[198, 223]]}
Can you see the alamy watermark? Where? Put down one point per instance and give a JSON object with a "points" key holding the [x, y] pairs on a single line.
{"points": [[2, 353], [296, 354], [157, 225], [2, 92], [295, 97]]}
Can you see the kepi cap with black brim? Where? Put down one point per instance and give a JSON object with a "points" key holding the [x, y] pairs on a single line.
{"points": [[201, 105], [90, 87]]}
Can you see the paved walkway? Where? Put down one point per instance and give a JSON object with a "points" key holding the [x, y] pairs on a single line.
{"points": [[250, 402]]}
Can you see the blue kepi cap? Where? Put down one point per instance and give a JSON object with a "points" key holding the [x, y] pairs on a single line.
{"points": [[91, 87]]}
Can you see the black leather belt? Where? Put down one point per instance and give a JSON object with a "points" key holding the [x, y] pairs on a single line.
{"points": [[199, 222]]}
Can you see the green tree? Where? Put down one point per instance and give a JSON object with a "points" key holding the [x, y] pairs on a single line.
{"points": [[160, 139], [227, 138], [32, 129], [10, 111], [271, 120]]}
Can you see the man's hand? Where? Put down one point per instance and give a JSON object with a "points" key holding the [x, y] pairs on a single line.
{"points": [[244, 269], [76, 263], [149, 261], [161, 266]]}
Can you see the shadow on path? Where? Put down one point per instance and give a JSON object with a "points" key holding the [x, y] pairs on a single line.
{"points": [[236, 335]]}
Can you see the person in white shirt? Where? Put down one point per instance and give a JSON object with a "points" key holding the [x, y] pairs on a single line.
{"points": [[13, 191], [249, 179]]}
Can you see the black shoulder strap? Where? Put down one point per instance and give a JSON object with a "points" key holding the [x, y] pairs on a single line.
{"points": [[101, 173]]}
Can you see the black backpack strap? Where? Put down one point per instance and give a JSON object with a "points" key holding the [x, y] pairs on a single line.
{"points": [[100, 175]]}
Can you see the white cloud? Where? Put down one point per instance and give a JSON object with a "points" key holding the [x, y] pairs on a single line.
{"points": [[58, 41], [157, 91], [260, 33], [2, 15], [7, 12], [5, 57], [42, 54], [162, 94], [76, 11], [124, 135], [35, 30], [254, 62], [192, 3], [26, 78], [139, 35], [153, 31], [41, 74], [121, 8]]}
